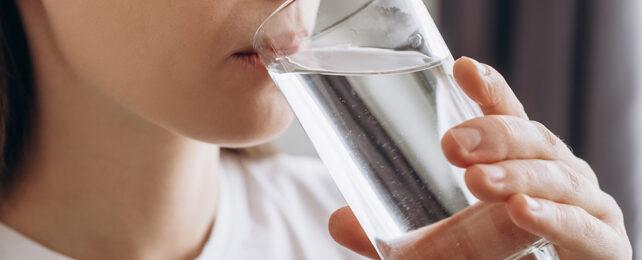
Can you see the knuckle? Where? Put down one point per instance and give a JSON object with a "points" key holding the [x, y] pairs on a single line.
{"points": [[552, 143], [610, 200], [574, 180], [507, 126], [574, 214], [557, 220], [493, 99], [500, 134], [521, 109], [495, 89], [557, 215], [520, 175], [613, 208], [585, 168], [588, 228]]}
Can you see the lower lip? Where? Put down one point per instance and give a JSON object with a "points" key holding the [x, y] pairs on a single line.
{"points": [[250, 59]]}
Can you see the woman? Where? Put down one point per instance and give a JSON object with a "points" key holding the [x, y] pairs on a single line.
{"points": [[113, 129]]}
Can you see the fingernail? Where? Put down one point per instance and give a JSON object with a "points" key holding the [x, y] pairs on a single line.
{"points": [[532, 204], [467, 138], [482, 69], [493, 173]]}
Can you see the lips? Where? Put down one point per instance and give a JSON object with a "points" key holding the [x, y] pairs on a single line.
{"points": [[283, 44], [288, 43], [286, 31], [271, 47], [250, 57]]}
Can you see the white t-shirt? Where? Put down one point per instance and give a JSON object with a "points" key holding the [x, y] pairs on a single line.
{"points": [[276, 208]]}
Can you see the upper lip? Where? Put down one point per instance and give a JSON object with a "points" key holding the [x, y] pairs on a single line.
{"points": [[290, 42], [283, 44]]}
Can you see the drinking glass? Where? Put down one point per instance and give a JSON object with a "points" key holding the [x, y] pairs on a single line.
{"points": [[371, 83]]}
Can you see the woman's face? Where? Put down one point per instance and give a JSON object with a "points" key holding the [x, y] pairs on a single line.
{"points": [[181, 64]]}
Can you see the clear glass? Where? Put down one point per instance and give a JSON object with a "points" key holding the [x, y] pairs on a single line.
{"points": [[371, 83]]}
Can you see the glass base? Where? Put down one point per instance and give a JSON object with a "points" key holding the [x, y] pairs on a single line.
{"points": [[540, 250]]}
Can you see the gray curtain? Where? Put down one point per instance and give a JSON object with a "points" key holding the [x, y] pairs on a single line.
{"points": [[637, 117], [572, 64]]}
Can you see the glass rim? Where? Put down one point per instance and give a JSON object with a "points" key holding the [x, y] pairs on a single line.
{"points": [[286, 4]]}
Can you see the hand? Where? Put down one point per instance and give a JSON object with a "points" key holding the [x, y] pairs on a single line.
{"points": [[539, 185]]}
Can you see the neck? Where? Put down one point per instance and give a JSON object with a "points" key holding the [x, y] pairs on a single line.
{"points": [[100, 182]]}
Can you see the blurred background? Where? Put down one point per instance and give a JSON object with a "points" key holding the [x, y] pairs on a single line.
{"points": [[577, 67]]}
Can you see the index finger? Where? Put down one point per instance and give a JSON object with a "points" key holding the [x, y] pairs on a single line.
{"points": [[488, 88], [466, 235]]}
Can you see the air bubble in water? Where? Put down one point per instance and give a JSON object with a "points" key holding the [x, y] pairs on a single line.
{"points": [[415, 40]]}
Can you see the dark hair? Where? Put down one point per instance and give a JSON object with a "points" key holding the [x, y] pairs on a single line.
{"points": [[16, 92]]}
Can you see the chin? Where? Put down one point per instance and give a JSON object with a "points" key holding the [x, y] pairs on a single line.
{"points": [[242, 131], [252, 137], [242, 111], [257, 122]]}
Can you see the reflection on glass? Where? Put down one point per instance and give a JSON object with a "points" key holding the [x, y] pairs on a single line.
{"points": [[371, 83]]}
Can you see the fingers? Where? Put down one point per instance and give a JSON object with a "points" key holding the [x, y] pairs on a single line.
{"points": [[346, 231], [550, 180], [465, 235], [568, 227], [488, 88], [507, 156], [497, 138]]}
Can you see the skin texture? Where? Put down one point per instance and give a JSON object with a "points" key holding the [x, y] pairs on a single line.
{"points": [[136, 98], [529, 182], [134, 101], [189, 84]]}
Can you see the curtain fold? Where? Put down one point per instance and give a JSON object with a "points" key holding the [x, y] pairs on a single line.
{"points": [[638, 169], [638, 118], [572, 64]]}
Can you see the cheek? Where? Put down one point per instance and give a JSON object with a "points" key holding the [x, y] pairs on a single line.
{"points": [[122, 43], [219, 102], [239, 110], [169, 65]]}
